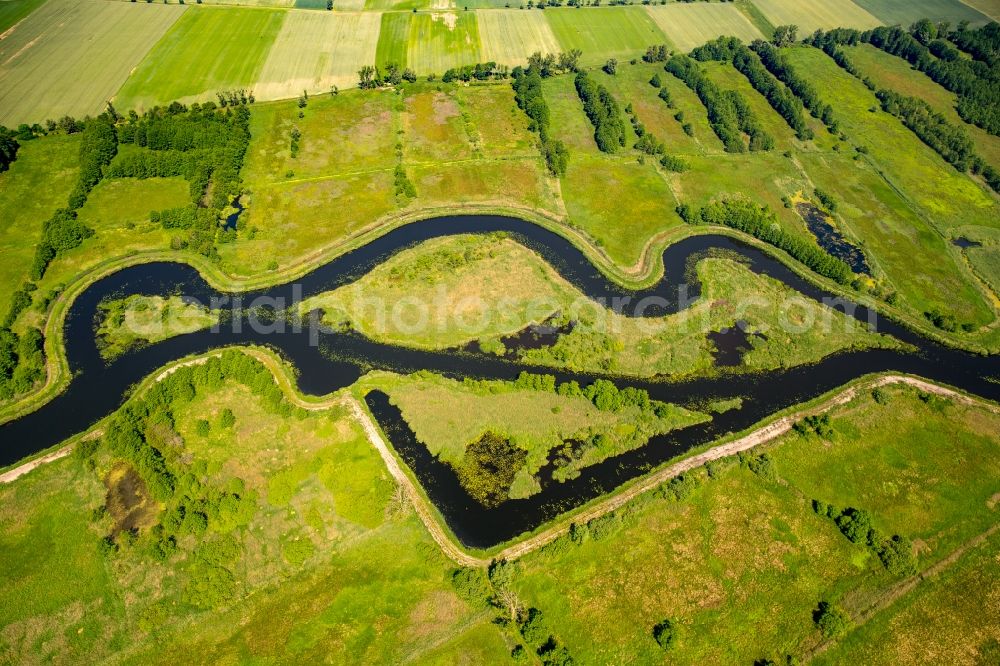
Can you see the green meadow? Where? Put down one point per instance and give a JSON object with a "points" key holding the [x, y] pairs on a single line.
{"points": [[209, 49]]}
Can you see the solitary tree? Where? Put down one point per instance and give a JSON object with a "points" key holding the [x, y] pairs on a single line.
{"points": [[611, 66]]}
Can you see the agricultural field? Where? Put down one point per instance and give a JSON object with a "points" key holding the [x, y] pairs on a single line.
{"points": [[209, 49], [602, 33], [508, 36], [71, 57], [905, 12], [439, 41], [315, 51], [690, 25], [12, 11], [812, 15]]}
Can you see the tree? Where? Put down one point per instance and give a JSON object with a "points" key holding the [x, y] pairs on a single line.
{"points": [[367, 76], [664, 633], [8, 148], [831, 620], [924, 31], [785, 35], [611, 66], [329, 5]]}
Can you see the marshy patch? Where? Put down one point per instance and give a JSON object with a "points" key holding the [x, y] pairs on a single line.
{"points": [[830, 239], [128, 500], [488, 468], [730, 344]]}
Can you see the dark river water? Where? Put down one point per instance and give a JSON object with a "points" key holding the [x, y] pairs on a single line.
{"points": [[335, 359]]}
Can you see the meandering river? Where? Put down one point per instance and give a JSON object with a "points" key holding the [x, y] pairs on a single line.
{"points": [[98, 387]]}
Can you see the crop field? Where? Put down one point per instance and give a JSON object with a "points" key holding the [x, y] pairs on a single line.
{"points": [[812, 15], [70, 57], [12, 11], [442, 40], [894, 73], [691, 25], [990, 8], [905, 12], [208, 50], [509, 36], [317, 50], [602, 33], [392, 39]]}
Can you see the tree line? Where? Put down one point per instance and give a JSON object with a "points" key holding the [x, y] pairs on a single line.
{"points": [[603, 112], [728, 113], [779, 66], [748, 63], [948, 140], [8, 148], [528, 95], [761, 223], [975, 82]]}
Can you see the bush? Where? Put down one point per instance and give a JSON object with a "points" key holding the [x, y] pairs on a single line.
{"points": [[831, 620], [664, 634]]}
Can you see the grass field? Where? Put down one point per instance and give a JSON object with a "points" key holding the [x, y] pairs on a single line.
{"points": [[906, 12], [451, 291], [935, 192], [35, 186], [340, 134], [896, 74], [434, 127], [942, 616], [71, 56], [631, 86], [325, 538], [691, 25], [500, 129], [509, 36], [812, 15], [739, 566], [317, 50], [12, 11], [210, 49], [604, 32], [439, 41], [620, 203]]}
